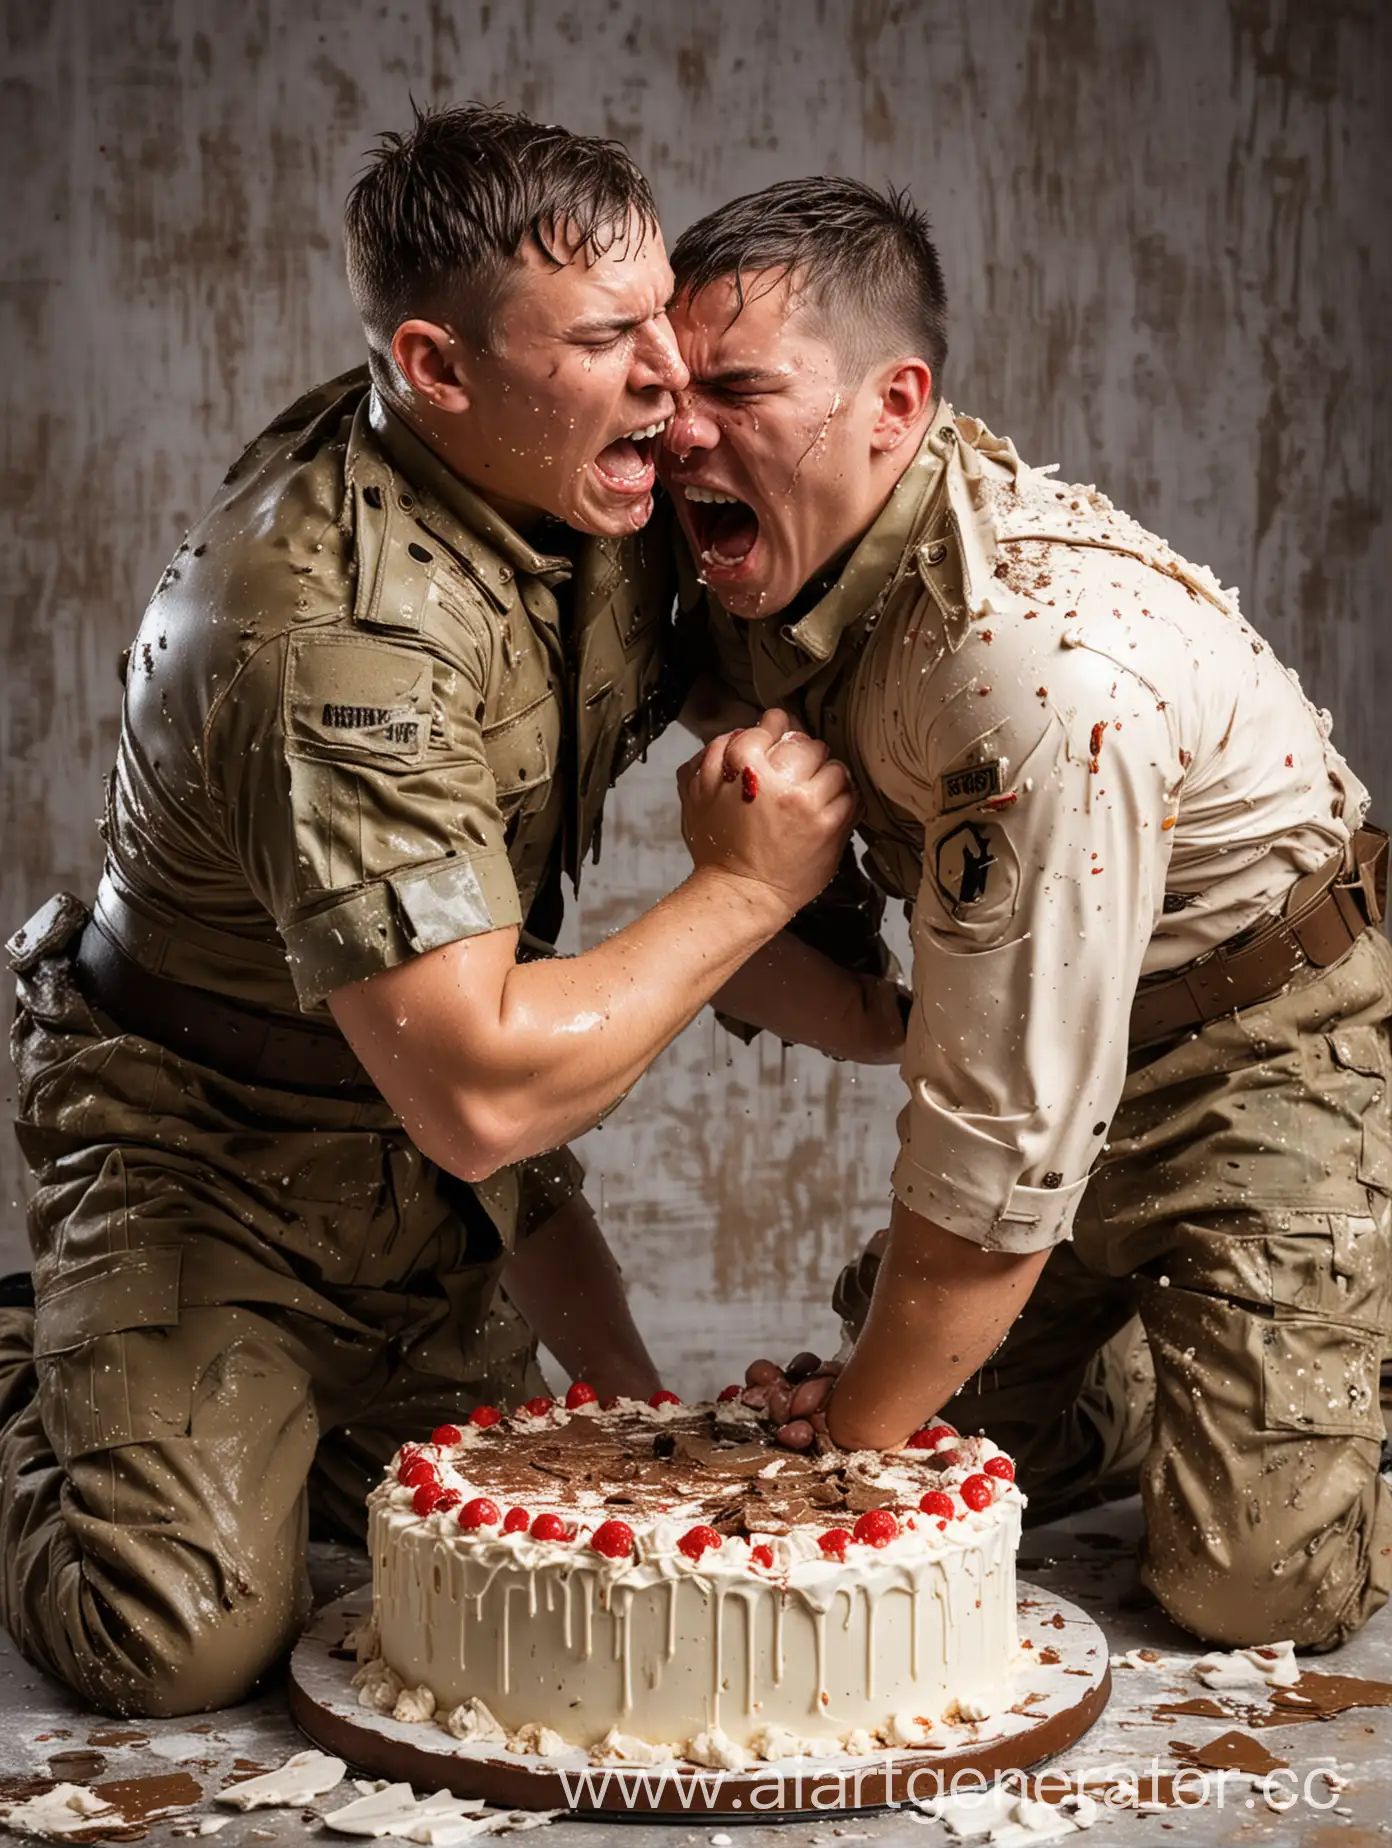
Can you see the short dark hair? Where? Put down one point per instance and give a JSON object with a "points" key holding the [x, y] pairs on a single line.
{"points": [[439, 219], [865, 261]]}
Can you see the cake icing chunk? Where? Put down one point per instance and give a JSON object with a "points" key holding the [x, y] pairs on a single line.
{"points": [[665, 1576]]}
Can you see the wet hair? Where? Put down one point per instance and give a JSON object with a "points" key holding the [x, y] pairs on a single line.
{"points": [[863, 261], [438, 222]]}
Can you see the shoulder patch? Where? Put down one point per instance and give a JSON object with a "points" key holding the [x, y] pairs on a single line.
{"points": [[969, 785], [353, 697]]}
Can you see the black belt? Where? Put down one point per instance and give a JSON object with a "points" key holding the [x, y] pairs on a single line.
{"points": [[232, 1037]]}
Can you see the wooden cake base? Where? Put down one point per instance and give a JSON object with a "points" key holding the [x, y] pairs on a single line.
{"points": [[1060, 1688]]}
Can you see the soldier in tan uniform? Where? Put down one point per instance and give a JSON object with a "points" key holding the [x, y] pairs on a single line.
{"points": [[1147, 1062], [289, 1088]]}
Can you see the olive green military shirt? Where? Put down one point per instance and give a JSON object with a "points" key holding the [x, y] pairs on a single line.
{"points": [[357, 724]]}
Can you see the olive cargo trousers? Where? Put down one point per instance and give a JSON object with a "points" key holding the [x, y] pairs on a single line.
{"points": [[1241, 1208], [247, 1298]]}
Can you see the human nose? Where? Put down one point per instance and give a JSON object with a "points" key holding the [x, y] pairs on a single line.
{"points": [[690, 426], [658, 360]]}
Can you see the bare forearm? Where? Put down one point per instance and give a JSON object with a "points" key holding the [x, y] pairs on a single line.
{"points": [[941, 1306], [805, 998], [567, 1284]]}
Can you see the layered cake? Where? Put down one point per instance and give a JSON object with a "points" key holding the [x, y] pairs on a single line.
{"points": [[659, 1581]]}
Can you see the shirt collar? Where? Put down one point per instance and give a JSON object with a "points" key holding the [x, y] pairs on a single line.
{"points": [[431, 476]]}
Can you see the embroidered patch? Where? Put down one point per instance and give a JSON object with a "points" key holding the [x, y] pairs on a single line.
{"points": [[972, 784], [963, 863]]}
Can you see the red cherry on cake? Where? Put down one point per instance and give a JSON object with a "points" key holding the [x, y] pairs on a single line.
{"points": [[834, 1544], [417, 1471], [517, 1521], [613, 1538], [480, 1512], [663, 1397], [449, 1498], [930, 1437], [976, 1492], [427, 1497], [581, 1393], [935, 1502], [698, 1540], [538, 1408], [727, 1393], [761, 1556], [485, 1415], [549, 1527], [876, 1527], [1001, 1467], [446, 1436]]}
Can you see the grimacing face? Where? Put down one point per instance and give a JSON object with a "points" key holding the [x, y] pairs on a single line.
{"points": [[567, 405], [770, 458]]}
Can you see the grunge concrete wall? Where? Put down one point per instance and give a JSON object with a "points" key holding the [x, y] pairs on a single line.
{"points": [[1166, 231]]}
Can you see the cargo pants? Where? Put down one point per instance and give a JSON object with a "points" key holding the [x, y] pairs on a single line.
{"points": [[1241, 1210], [246, 1299]]}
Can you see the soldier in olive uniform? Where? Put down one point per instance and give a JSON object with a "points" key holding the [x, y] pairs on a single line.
{"points": [[1147, 1060], [290, 1089]]}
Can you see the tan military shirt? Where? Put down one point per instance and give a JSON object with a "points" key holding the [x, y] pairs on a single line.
{"points": [[357, 725], [1080, 766]]}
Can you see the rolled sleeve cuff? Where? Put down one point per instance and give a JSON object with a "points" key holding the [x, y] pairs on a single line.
{"points": [[953, 1175], [378, 926]]}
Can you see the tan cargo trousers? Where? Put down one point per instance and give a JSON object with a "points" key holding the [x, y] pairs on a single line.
{"points": [[247, 1299], [1241, 1208]]}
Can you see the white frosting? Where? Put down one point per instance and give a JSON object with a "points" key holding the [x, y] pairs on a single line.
{"points": [[1263, 1665], [306, 1775]]}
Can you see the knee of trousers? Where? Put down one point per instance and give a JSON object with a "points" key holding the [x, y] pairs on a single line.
{"points": [[1237, 1585]]}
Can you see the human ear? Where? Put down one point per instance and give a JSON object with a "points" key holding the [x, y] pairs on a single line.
{"points": [[428, 357], [905, 390]]}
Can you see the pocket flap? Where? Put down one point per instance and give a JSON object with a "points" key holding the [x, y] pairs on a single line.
{"points": [[127, 1289], [1361, 1049]]}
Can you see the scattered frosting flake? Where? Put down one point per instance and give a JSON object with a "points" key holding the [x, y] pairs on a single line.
{"points": [[774, 1743], [306, 1775], [1140, 1658], [1011, 1820], [544, 1741], [212, 1825], [379, 1687], [910, 1729], [363, 1640], [858, 1743], [1270, 1665], [472, 1723], [60, 1811], [966, 1710], [617, 1748], [718, 1750], [396, 1810], [414, 1706]]}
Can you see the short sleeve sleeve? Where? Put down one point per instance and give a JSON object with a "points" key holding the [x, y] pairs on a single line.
{"points": [[1045, 847], [361, 803]]}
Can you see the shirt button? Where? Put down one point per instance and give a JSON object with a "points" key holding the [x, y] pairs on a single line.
{"points": [[935, 553]]}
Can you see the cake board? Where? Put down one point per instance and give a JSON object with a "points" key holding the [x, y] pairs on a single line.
{"points": [[1060, 1689]]}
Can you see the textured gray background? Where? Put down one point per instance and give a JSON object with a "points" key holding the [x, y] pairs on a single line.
{"points": [[1166, 232]]}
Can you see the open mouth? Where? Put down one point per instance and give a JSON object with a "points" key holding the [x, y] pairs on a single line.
{"points": [[725, 529], [626, 465]]}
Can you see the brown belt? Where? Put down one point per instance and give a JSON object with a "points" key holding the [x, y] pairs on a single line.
{"points": [[1325, 914], [236, 1039]]}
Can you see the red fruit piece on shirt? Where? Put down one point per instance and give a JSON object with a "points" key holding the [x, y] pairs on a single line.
{"points": [[581, 1393], [935, 1502], [485, 1415], [698, 1540], [663, 1397], [517, 1521], [834, 1544], [976, 1492], [549, 1527], [480, 1512], [427, 1497], [538, 1408], [446, 1435], [1001, 1467], [613, 1538], [876, 1527]]}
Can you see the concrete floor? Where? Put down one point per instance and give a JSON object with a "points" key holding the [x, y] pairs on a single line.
{"points": [[1088, 1559]]}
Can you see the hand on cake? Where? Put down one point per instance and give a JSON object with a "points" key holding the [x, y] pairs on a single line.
{"points": [[792, 1398]]}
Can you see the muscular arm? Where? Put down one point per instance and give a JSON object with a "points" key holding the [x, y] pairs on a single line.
{"points": [[807, 999], [566, 1283], [941, 1306], [487, 1060]]}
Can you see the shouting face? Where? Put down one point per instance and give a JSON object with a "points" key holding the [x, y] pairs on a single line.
{"points": [[776, 463], [562, 413]]}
